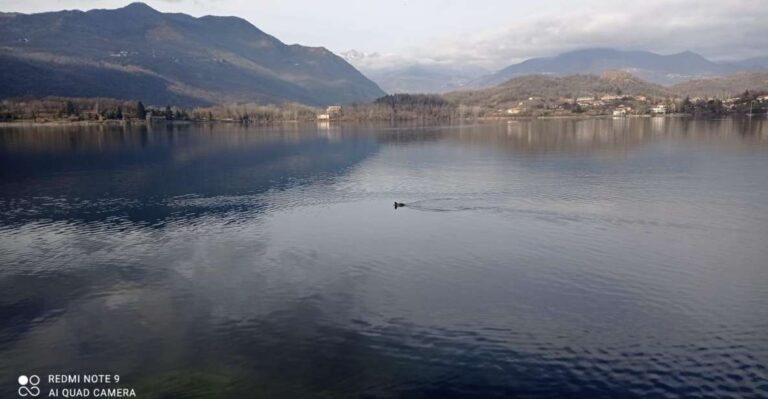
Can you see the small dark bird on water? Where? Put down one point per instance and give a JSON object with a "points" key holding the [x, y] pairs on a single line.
{"points": [[399, 205]]}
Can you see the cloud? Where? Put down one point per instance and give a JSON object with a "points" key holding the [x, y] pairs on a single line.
{"points": [[720, 29]]}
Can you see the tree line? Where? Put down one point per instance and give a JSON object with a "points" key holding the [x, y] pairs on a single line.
{"points": [[395, 107], [53, 109]]}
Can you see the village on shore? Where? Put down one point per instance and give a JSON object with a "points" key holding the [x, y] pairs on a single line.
{"points": [[639, 105], [397, 107]]}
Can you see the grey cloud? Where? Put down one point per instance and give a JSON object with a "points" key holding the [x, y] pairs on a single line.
{"points": [[731, 29]]}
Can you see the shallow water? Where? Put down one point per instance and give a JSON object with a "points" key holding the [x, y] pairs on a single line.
{"points": [[598, 258]]}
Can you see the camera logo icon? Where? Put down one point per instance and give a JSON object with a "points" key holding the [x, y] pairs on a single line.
{"points": [[28, 386]]}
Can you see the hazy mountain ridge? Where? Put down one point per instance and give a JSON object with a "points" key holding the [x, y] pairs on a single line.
{"points": [[396, 74], [656, 68], [422, 79], [554, 87], [752, 64], [167, 58], [610, 83], [724, 86]]}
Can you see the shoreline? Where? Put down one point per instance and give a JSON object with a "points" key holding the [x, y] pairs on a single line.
{"points": [[137, 122]]}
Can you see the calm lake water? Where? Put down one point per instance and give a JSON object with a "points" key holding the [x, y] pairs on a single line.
{"points": [[592, 259]]}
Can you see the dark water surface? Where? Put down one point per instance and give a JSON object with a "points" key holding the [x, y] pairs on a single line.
{"points": [[591, 259]]}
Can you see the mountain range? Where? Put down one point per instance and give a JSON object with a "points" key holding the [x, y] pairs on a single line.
{"points": [[139, 53], [657, 68], [554, 87], [613, 82], [399, 75], [670, 69], [723, 86], [423, 78], [136, 52]]}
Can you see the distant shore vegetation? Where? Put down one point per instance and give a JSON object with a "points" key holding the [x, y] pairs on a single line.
{"points": [[63, 109], [395, 107]]}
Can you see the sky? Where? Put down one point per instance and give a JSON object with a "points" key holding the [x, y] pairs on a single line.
{"points": [[487, 33]]}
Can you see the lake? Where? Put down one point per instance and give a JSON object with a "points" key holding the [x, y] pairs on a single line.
{"points": [[610, 258]]}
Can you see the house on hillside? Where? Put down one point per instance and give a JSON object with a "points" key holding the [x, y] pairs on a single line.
{"points": [[621, 111], [333, 112]]}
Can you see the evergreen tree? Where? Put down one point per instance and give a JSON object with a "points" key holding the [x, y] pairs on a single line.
{"points": [[141, 111], [687, 106], [70, 108]]}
